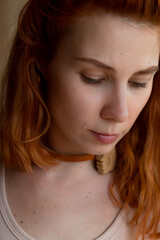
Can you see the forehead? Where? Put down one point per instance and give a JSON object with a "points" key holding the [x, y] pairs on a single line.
{"points": [[112, 39], [107, 26]]}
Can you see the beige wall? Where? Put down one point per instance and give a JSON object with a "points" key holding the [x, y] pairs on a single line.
{"points": [[9, 10]]}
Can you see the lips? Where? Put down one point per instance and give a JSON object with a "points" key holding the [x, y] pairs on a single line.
{"points": [[105, 137]]}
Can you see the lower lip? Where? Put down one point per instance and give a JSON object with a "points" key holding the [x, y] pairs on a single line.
{"points": [[107, 139]]}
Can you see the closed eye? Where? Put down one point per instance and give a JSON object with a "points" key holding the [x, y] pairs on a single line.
{"points": [[133, 84], [91, 80], [138, 84]]}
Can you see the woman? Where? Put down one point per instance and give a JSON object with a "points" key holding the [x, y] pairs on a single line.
{"points": [[82, 79]]}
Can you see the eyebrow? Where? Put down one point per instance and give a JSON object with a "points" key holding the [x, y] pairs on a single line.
{"points": [[102, 65]]}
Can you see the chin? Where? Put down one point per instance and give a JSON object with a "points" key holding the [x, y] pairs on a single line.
{"points": [[101, 150]]}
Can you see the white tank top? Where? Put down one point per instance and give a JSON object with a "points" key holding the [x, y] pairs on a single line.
{"points": [[10, 230]]}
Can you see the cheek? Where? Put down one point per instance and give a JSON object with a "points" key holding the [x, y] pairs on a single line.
{"points": [[80, 106], [137, 105], [69, 102]]}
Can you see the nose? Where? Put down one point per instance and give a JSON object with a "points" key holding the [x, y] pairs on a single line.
{"points": [[117, 106]]}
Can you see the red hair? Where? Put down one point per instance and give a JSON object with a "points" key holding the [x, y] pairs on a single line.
{"points": [[25, 118]]}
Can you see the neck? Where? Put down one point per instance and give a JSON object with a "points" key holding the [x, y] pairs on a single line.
{"points": [[69, 157], [104, 163]]}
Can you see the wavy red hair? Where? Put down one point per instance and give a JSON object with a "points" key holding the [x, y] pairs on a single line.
{"points": [[25, 119]]}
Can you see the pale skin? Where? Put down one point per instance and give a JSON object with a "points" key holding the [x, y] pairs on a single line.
{"points": [[71, 201]]}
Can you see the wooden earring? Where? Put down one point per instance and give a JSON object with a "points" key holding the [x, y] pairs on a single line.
{"points": [[106, 163]]}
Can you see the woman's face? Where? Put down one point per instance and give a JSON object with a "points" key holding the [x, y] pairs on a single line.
{"points": [[98, 82]]}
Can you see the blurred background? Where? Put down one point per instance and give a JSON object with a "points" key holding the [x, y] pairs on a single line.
{"points": [[9, 11]]}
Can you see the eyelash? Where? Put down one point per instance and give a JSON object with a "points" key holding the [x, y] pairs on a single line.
{"points": [[98, 81], [91, 80], [138, 85]]}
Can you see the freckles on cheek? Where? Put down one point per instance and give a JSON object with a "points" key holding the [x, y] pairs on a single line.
{"points": [[84, 125]]}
